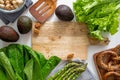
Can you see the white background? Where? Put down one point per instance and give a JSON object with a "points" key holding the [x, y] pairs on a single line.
{"points": [[26, 38]]}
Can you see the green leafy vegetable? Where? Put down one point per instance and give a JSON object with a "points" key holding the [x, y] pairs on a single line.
{"points": [[39, 62], [100, 16], [36, 71], [2, 75], [20, 62], [51, 63], [7, 66], [15, 55], [29, 69]]}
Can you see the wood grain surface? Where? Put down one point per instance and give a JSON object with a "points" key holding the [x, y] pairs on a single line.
{"points": [[62, 39]]}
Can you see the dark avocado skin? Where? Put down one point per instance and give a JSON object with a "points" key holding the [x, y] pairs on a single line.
{"points": [[24, 24], [8, 34], [63, 12]]}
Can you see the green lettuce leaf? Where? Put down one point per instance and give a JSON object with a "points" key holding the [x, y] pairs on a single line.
{"points": [[7, 66], [99, 15], [20, 62]]}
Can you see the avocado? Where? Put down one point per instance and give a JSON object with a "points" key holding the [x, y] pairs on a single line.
{"points": [[24, 24], [64, 12], [8, 34]]}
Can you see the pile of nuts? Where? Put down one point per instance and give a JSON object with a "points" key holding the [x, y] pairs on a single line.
{"points": [[10, 4]]}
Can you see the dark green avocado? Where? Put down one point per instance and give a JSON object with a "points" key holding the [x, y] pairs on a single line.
{"points": [[24, 24], [63, 12]]}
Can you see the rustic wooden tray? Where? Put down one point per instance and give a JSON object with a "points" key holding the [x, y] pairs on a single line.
{"points": [[100, 71]]}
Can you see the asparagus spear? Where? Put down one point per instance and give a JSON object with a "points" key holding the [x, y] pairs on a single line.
{"points": [[60, 77], [72, 75], [70, 72], [78, 71], [60, 72]]}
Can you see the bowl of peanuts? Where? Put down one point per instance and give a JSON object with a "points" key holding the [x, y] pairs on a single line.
{"points": [[11, 6]]}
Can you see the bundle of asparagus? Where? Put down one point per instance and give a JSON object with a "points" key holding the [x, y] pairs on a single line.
{"points": [[71, 71]]}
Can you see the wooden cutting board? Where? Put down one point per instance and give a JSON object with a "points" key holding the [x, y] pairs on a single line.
{"points": [[62, 39]]}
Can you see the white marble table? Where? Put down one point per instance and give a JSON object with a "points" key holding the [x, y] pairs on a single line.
{"points": [[26, 38]]}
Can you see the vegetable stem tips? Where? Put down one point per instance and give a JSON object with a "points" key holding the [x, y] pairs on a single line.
{"points": [[70, 71]]}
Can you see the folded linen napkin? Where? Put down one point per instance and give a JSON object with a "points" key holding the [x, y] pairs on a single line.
{"points": [[11, 17]]}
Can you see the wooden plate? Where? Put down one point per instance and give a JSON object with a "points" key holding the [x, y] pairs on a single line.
{"points": [[101, 71]]}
